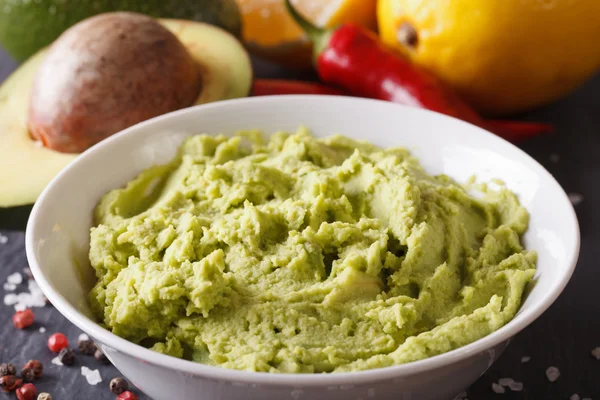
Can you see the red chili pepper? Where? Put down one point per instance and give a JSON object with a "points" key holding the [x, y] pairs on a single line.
{"points": [[353, 58], [266, 87]]}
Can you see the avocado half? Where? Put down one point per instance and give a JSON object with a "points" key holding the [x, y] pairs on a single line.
{"points": [[27, 26], [26, 167]]}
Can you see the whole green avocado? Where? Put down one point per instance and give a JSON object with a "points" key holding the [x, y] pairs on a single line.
{"points": [[28, 25]]}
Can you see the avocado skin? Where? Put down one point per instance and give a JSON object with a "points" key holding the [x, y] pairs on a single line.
{"points": [[28, 25]]}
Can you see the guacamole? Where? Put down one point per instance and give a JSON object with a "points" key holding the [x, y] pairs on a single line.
{"points": [[302, 255]]}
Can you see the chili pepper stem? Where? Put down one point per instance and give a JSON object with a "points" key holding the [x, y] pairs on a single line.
{"points": [[318, 36]]}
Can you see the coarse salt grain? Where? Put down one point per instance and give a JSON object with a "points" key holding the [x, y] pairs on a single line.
{"points": [[9, 286], [596, 353], [575, 397], [505, 382], [525, 359], [3, 239], [15, 279], [56, 361], [83, 337], [21, 301], [497, 388], [42, 329], [93, 376], [552, 373], [575, 198], [515, 386]]}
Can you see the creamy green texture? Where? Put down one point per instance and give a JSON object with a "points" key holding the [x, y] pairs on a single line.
{"points": [[299, 254]]}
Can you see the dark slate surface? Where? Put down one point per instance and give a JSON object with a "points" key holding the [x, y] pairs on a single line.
{"points": [[563, 337]]}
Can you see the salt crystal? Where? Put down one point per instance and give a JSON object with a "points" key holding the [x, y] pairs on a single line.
{"points": [[9, 286], [515, 386], [497, 388], [505, 382], [596, 353], [24, 300], [3, 239], [552, 373], [575, 397], [10, 299], [42, 329], [265, 13], [83, 337], [525, 359], [575, 198], [56, 361], [554, 158], [93, 376], [15, 279]]}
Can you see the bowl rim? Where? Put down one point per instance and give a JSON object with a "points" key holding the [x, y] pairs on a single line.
{"points": [[250, 377]]}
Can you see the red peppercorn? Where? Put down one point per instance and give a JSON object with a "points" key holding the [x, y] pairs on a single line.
{"points": [[127, 396], [23, 319], [10, 383], [36, 366], [57, 342], [27, 392]]}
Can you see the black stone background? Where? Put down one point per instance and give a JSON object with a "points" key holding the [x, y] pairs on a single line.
{"points": [[563, 337]]}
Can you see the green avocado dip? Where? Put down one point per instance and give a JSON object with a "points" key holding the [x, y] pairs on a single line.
{"points": [[304, 255]]}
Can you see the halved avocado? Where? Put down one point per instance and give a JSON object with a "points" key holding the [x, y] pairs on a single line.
{"points": [[26, 166]]}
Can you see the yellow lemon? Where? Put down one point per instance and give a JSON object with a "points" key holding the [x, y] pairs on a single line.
{"points": [[269, 31], [503, 56]]}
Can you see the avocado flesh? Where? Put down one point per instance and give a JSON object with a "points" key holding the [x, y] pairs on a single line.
{"points": [[26, 167], [26, 26]]}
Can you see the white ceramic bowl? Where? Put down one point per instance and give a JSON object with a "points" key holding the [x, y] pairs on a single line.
{"points": [[58, 238]]}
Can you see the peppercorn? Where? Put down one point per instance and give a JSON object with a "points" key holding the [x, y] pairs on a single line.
{"points": [[7, 369], [44, 396], [27, 392], [27, 374], [36, 366], [118, 385], [66, 356], [99, 355], [9, 383], [86, 346], [23, 319], [57, 342], [127, 396]]}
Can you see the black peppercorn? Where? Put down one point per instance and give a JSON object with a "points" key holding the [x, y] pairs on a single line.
{"points": [[66, 356], [27, 374], [7, 369], [36, 366], [86, 346], [29, 274], [99, 355], [118, 385]]}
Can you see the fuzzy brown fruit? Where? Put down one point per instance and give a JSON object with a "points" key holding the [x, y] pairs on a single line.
{"points": [[105, 74]]}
